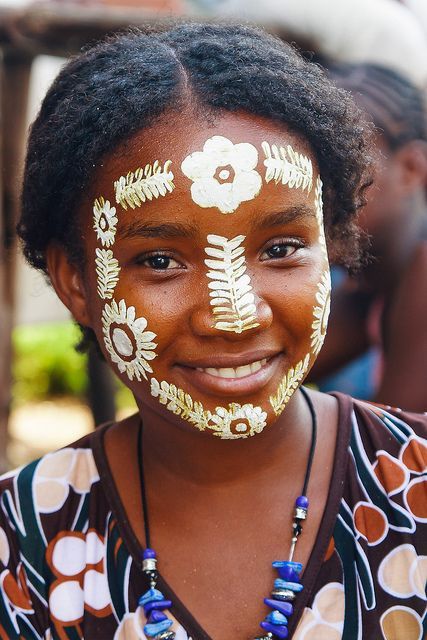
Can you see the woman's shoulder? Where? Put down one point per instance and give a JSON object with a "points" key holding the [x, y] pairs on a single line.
{"points": [[381, 427], [73, 464]]}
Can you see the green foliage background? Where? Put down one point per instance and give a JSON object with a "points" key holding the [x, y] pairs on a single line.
{"points": [[46, 365]]}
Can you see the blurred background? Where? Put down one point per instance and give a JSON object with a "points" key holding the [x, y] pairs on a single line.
{"points": [[49, 393]]}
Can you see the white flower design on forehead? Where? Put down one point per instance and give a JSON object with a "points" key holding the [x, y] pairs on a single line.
{"points": [[126, 340], [223, 174]]}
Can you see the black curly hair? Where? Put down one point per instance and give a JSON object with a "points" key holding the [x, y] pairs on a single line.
{"points": [[110, 92]]}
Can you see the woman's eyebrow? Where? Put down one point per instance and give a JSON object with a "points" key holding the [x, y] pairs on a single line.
{"points": [[284, 217], [149, 229]]}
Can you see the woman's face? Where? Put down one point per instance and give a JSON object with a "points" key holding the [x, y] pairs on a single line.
{"points": [[207, 279]]}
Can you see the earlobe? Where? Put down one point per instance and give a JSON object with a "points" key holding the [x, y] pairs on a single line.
{"points": [[413, 162], [67, 280]]}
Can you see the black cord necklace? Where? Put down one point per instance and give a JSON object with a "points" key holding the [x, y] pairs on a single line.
{"points": [[286, 587]]}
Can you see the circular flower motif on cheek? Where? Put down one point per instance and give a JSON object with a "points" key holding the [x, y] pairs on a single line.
{"points": [[129, 345], [321, 313], [223, 174], [104, 221]]}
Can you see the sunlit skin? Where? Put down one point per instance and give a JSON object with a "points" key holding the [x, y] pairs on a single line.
{"points": [[204, 493]]}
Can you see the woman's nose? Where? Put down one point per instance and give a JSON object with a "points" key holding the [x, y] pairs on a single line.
{"points": [[233, 319]]}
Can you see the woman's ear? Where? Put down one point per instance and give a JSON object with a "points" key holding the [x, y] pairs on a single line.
{"points": [[68, 283], [412, 158]]}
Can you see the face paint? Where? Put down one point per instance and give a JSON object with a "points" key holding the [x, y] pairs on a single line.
{"points": [[321, 313], [237, 421], [223, 174], [127, 342], [107, 271], [144, 184], [231, 293], [287, 166], [104, 221], [318, 203], [289, 384]]}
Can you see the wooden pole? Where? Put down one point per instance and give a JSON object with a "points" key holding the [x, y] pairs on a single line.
{"points": [[15, 72]]}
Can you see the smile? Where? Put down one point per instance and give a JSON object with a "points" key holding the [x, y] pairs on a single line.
{"points": [[248, 374], [238, 372]]}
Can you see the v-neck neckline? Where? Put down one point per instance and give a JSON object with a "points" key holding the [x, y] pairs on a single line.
{"points": [[336, 488]]}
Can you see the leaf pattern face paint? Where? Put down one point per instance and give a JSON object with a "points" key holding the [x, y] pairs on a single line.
{"points": [[107, 270], [230, 290], [321, 313], [287, 166], [197, 373], [223, 174], [237, 421], [130, 347], [289, 384], [144, 184]]}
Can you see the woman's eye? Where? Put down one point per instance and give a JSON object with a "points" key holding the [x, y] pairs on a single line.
{"points": [[160, 262], [280, 250]]}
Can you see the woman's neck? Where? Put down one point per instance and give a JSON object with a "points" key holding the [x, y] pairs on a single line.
{"points": [[184, 452]]}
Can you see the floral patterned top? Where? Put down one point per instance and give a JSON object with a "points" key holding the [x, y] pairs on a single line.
{"points": [[70, 564]]}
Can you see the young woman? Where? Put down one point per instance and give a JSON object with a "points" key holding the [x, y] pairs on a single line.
{"points": [[173, 194]]}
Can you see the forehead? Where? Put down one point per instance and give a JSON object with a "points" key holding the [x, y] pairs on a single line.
{"points": [[173, 138]]}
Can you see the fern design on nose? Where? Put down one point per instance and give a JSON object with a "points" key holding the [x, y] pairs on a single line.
{"points": [[231, 294], [144, 184], [285, 165]]}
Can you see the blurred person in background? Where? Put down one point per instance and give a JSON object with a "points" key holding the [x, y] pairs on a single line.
{"points": [[381, 311]]}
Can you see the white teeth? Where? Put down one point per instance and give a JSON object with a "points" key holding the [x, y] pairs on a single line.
{"points": [[241, 372], [238, 372]]}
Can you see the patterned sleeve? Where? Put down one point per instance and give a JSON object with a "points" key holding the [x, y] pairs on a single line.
{"points": [[23, 591]]}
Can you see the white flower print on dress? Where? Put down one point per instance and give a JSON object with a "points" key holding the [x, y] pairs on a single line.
{"points": [[104, 221], [321, 313], [126, 340], [223, 174]]}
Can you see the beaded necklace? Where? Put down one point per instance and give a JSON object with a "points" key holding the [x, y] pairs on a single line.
{"points": [[286, 587]]}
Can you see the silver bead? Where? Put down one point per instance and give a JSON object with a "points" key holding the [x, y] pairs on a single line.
{"points": [[300, 513], [166, 635], [283, 594], [149, 564]]}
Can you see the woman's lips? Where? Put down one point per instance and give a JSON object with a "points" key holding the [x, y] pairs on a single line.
{"points": [[232, 381]]}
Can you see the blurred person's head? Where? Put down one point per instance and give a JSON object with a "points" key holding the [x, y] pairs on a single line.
{"points": [[397, 109]]}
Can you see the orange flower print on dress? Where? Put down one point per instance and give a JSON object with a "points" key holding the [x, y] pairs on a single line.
{"points": [[415, 498], [390, 472], [414, 455], [370, 522]]}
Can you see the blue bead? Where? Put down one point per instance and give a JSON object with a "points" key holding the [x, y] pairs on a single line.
{"points": [[157, 616], [150, 596], [154, 629], [157, 604], [288, 570], [280, 631], [284, 607], [149, 553], [302, 501], [275, 617], [283, 584]]}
